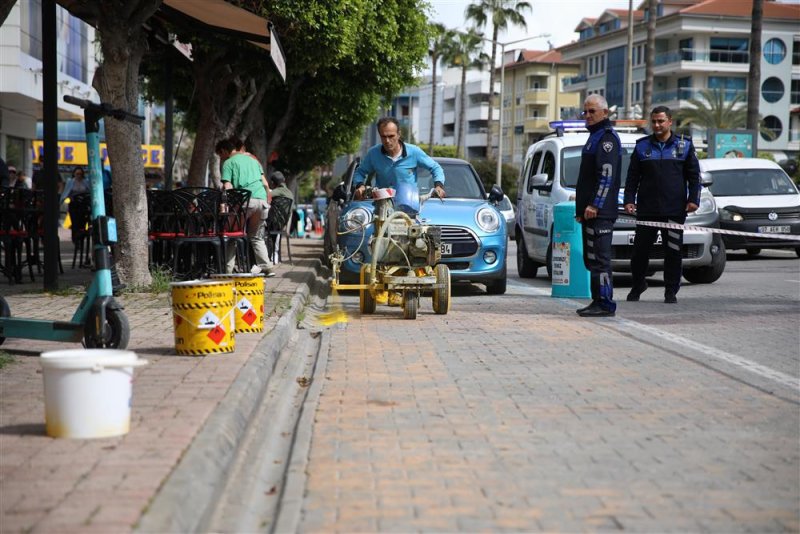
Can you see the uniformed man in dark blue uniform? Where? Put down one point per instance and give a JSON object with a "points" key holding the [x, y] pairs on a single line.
{"points": [[596, 203], [663, 185]]}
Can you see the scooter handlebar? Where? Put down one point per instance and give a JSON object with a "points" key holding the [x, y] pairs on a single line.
{"points": [[104, 109]]}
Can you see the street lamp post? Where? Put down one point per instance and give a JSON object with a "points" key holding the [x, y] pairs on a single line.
{"points": [[502, 90]]}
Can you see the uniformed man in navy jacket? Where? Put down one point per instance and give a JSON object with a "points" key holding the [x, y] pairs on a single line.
{"points": [[596, 203], [663, 185]]}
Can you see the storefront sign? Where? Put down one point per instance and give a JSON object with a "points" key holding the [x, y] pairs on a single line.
{"points": [[75, 153]]}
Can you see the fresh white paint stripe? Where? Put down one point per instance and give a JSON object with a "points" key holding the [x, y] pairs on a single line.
{"points": [[625, 325]]}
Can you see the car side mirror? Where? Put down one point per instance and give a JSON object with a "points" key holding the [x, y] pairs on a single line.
{"points": [[540, 181], [706, 179], [339, 194], [495, 194]]}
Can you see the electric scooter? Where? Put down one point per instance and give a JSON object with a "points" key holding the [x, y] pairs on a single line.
{"points": [[99, 320]]}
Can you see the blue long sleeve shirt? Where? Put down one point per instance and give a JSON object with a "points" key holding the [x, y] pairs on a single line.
{"points": [[389, 172]]}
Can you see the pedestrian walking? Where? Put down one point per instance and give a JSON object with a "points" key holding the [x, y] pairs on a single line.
{"points": [[596, 203], [663, 185], [241, 171]]}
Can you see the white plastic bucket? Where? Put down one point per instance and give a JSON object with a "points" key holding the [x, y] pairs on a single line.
{"points": [[88, 392]]}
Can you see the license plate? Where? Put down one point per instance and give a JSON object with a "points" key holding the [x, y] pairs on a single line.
{"points": [[632, 237], [447, 249], [773, 229]]}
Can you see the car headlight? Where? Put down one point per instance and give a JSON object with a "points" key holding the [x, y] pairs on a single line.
{"points": [[356, 219], [707, 203], [488, 219], [726, 214]]}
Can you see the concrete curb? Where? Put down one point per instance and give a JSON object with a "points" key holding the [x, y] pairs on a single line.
{"points": [[185, 501]]}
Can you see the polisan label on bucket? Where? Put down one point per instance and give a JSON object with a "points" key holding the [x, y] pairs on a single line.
{"points": [[88, 392]]}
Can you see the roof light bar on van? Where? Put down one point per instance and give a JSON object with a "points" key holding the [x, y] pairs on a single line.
{"points": [[568, 126]]}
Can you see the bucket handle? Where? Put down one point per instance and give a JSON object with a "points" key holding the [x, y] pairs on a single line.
{"points": [[100, 366]]}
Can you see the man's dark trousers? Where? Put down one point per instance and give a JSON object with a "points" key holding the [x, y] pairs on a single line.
{"points": [[597, 235], [672, 241]]}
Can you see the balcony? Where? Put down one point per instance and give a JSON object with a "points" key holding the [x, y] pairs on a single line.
{"points": [[537, 125], [694, 60], [479, 113], [674, 95], [537, 96], [576, 83], [449, 117]]}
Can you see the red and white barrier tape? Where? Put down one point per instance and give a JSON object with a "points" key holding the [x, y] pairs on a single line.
{"points": [[675, 226]]}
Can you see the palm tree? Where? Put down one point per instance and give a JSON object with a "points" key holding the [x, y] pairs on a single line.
{"points": [[441, 40], [754, 82], [466, 53], [650, 58], [501, 13], [713, 111]]}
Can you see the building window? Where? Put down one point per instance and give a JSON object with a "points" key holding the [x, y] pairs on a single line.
{"points": [[795, 93], [685, 88], [774, 51], [796, 53], [729, 50], [730, 87], [772, 89], [687, 49], [73, 41], [773, 124]]}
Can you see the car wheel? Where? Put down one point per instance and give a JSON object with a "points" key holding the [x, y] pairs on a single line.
{"points": [[497, 287], [753, 251], [526, 267], [710, 273]]}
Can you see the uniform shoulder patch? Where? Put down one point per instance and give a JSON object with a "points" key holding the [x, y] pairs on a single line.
{"points": [[608, 146]]}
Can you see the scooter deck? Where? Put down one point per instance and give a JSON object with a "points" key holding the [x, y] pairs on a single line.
{"points": [[40, 329]]}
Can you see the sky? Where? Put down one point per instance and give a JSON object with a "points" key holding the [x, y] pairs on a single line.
{"points": [[555, 17]]}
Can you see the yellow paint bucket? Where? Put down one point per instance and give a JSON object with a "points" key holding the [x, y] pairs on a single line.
{"points": [[202, 314], [248, 313]]}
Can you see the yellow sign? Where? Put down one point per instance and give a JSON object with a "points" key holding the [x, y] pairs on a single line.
{"points": [[75, 153]]}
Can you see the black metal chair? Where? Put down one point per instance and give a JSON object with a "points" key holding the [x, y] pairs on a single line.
{"points": [[198, 227], [277, 225], [233, 225], [80, 215]]}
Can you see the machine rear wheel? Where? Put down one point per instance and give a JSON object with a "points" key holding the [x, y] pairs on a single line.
{"points": [[441, 296], [118, 331], [5, 311], [366, 302], [410, 304]]}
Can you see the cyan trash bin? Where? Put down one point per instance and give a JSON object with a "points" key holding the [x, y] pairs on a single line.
{"points": [[570, 276]]}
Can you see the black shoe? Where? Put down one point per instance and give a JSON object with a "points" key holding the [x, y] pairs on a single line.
{"points": [[591, 304], [636, 292], [596, 311], [670, 298]]}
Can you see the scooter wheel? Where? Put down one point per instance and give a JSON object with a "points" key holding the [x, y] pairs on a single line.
{"points": [[119, 331], [5, 311]]}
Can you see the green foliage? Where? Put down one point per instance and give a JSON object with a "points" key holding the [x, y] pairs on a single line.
{"points": [[5, 359], [765, 155], [444, 151], [487, 170], [713, 111], [501, 13]]}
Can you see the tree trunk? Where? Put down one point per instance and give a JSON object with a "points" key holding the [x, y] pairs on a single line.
{"points": [[754, 80], [285, 120], [491, 95], [462, 105], [435, 60], [117, 81], [650, 58]]}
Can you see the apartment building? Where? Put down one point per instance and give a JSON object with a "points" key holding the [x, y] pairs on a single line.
{"points": [[21, 76], [700, 44], [533, 96]]}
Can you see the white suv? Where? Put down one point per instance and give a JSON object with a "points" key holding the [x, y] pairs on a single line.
{"points": [[549, 176]]}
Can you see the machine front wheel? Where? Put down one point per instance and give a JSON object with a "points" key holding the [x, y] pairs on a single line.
{"points": [[366, 302], [441, 294], [410, 304], [118, 331]]}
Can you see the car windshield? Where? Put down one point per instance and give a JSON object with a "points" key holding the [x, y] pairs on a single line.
{"points": [[749, 182], [460, 181], [571, 164]]}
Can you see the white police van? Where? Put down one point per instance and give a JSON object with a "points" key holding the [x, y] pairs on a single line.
{"points": [[549, 176]]}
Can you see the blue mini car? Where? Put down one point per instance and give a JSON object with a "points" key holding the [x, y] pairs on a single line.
{"points": [[474, 236]]}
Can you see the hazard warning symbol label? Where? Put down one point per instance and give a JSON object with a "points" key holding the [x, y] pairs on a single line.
{"points": [[208, 320]]}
